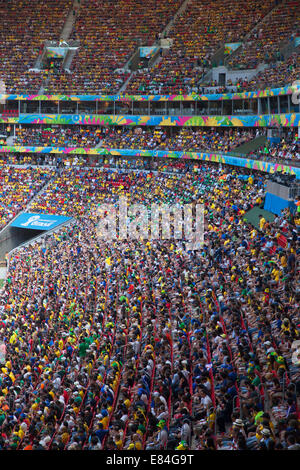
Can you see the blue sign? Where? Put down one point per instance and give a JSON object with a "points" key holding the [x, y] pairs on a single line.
{"points": [[39, 221], [148, 51], [297, 41]]}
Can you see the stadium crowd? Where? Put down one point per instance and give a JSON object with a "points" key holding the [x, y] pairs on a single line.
{"points": [[209, 139], [24, 26], [265, 41], [17, 187], [196, 35], [186, 139], [278, 74], [287, 149], [109, 33], [142, 344], [59, 136], [109, 39]]}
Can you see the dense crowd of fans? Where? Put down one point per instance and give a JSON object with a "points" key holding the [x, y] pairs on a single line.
{"points": [[17, 188], [109, 33], [141, 344], [265, 41], [197, 34], [24, 26], [76, 136], [184, 139], [288, 148], [278, 74], [181, 139]]}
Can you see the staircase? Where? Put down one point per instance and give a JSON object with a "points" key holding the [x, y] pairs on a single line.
{"points": [[70, 21], [287, 49], [39, 61], [44, 86], [38, 194], [65, 34], [69, 59], [124, 86], [179, 12]]}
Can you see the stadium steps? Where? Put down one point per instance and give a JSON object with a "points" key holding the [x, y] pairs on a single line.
{"points": [[39, 61], [124, 85], [64, 35], [70, 21], [287, 48], [69, 59], [250, 146], [42, 190], [179, 12], [44, 86]]}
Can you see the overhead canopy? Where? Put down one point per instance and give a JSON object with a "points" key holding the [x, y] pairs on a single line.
{"points": [[39, 221]]}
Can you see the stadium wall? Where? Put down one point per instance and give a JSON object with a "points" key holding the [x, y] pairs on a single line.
{"points": [[268, 120], [266, 166]]}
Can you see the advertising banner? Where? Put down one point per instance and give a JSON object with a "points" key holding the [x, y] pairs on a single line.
{"points": [[148, 52], [38, 221], [230, 47]]}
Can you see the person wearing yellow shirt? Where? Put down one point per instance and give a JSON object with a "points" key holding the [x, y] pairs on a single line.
{"points": [[118, 442], [283, 261], [262, 222], [276, 274], [105, 419], [136, 443]]}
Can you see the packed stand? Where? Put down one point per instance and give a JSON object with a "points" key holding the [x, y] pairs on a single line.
{"points": [[24, 26], [197, 34], [185, 139], [287, 149], [265, 41], [277, 75], [109, 33], [76, 136], [17, 187], [141, 344]]}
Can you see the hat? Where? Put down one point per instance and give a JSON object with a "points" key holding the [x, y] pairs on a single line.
{"points": [[161, 423], [266, 432], [182, 445], [238, 423]]}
